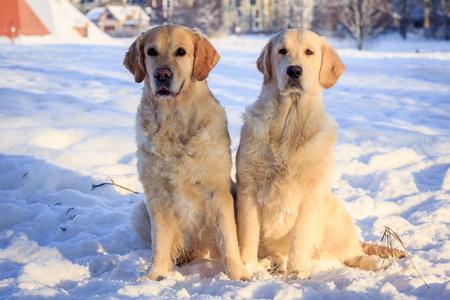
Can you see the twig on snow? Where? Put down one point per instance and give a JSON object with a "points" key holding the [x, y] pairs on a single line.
{"points": [[94, 186]]}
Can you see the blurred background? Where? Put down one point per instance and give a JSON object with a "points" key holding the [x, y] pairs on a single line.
{"points": [[359, 19]]}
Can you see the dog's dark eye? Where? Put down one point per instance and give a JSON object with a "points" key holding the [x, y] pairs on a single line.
{"points": [[181, 52], [309, 52], [282, 51], [152, 52]]}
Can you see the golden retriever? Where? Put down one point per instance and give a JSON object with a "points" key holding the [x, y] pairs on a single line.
{"points": [[184, 159], [286, 213]]}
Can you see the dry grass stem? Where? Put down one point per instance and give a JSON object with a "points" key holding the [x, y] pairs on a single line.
{"points": [[387, 236]]}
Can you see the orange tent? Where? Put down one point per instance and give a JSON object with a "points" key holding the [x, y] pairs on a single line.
{"points": [[17, 18]]}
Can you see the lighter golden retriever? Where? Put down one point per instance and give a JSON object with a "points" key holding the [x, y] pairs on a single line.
{"points": [[184, 159], [286, 213]]}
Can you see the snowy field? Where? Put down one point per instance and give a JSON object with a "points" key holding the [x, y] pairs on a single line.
{"points": [[66, 121]]}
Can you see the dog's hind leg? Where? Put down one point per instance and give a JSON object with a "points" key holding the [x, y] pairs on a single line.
{"points": [[140, 223], [382, 251]]}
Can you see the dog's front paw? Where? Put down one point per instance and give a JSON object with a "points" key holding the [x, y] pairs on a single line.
{"points": [[274, 264], [267, 264], [298, 274], [152, 275], [245, 275], [238, 272]]}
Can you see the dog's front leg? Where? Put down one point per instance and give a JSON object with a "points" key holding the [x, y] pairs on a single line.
{"points": [[226, 238], [301, 244], [249, 226], [163, 230]]}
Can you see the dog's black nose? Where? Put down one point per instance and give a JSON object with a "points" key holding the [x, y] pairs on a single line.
{"points": [[294, 71], [162, 74]]}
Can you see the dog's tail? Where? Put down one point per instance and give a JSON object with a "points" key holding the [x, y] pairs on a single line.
{"points": [[140, 222], [382, 251]]}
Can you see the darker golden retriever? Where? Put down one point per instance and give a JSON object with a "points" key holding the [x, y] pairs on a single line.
{"points": [[184, 159]]}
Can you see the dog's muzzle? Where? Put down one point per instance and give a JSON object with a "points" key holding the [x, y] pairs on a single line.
{"points": [[163, 78], [292, 82], [294, 72]]}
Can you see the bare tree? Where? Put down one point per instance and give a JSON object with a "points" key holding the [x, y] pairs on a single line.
{"points": [[441, 19], [365, 18], [295, 14], [446, 13], [208, 16], [203, 14], [308, 13], [282, 16], [426, 14], [182, 13], [404, 18], [327, 17]]}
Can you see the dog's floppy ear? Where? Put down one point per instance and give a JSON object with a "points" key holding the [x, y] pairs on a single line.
{"points": [[263, 62], [134, 59], [331, 68], [205, 56]]}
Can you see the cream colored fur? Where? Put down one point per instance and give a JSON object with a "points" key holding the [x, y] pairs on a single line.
{"points": [[184, 159], [286, 213]]}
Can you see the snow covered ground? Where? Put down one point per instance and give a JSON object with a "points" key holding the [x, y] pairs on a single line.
{"points": [[66, 121]]}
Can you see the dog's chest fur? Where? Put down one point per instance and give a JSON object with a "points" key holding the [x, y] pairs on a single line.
{"points": [[282, 136], [282, 141], [176, 151]]}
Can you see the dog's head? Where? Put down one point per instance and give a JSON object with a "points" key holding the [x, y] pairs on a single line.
{"points": [[170, 57], [295, 60]]}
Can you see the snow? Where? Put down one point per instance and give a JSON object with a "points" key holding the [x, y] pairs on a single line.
{"points": [[66, 121]]}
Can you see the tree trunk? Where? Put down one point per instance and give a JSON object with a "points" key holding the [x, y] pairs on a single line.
{"points": [[447, 27], [446, 7], [359, 32], [308, 14], [404, 21], [426, 17], [426, 13]]}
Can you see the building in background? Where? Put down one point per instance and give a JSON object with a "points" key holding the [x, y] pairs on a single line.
{"points": [[161, 11], [253, 16], [86, 5], [120, 20], [268, 16], [244, 15], [48, 21], [17, 19]]}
